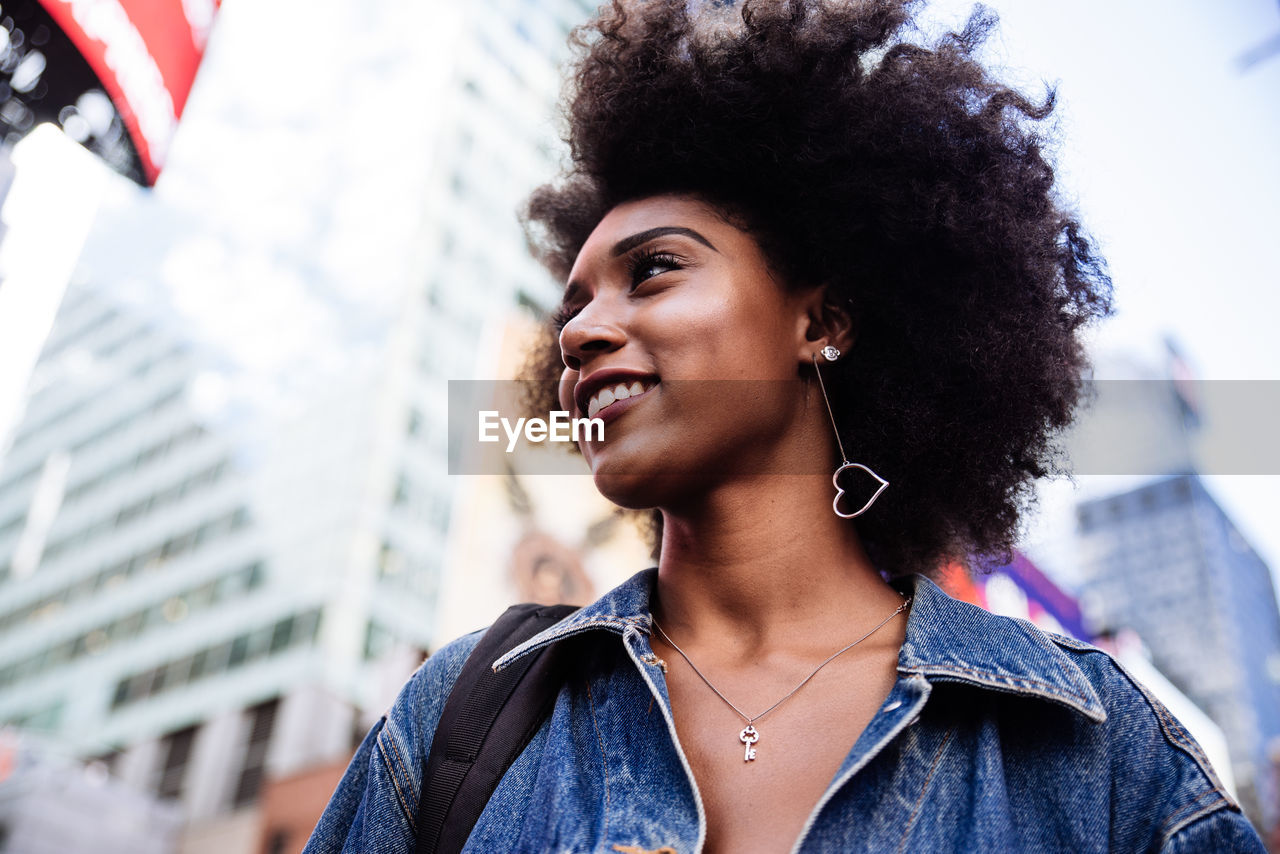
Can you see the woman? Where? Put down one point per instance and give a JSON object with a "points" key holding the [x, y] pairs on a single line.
{"points": [[797, 246]]}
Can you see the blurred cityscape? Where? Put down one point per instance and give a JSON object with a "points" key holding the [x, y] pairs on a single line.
{"points": [[227, 529]]}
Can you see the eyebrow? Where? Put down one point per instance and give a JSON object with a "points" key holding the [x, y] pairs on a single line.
{"points": [[640, 238], [626, 244]]}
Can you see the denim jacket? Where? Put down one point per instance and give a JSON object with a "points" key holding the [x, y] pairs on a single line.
{"points": [[996, 737]]}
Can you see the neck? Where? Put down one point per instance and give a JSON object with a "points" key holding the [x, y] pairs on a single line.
{"points": [[765, 561]]}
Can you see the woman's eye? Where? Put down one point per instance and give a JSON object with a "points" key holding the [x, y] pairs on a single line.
{"points": [[651, 264], [643, 266]]}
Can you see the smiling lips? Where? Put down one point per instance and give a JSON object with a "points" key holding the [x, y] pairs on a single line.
{"points": [[606, 397]]}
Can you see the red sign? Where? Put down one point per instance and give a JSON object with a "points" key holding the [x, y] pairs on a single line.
{"points": [[146, 53]]}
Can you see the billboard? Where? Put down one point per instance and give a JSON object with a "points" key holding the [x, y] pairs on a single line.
{"points": [[146, 53], [113, 74]]}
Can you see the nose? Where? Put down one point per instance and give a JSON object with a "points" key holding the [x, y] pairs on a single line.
{"points": [[588, 334]]}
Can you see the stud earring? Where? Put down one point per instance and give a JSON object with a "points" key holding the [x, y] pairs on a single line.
{"points": [[831, 354]]}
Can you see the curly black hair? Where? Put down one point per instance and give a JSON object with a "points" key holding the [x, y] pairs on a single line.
{"points": [[903, 177]]}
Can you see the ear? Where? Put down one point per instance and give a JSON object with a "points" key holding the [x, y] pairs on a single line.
{"points": [[825, 320]]}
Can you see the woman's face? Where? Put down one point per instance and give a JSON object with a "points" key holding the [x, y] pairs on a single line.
{"points": [[676, 306]]}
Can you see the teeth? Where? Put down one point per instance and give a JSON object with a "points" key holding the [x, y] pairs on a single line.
{"points": [[621, 391]]}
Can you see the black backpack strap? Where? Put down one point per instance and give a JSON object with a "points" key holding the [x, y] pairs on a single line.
{"points": [[487, 721]]}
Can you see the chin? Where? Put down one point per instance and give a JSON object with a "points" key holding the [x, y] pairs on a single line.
{"points": [[639, 481], [629, 491], [646, 492]]}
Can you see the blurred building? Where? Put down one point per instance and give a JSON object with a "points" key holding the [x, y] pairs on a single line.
{"points": [[1165, 561], [40, 788], [213, 578]]}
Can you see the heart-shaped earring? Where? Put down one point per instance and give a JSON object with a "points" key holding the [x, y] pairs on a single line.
{"points": [[831, 354], [835, 481]]}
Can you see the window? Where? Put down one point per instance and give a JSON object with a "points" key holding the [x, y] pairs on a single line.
{"points": [[390, 561], [254, 575], [307, 627], [403, 490], [376, 640], [281, 633], [176, 749], [139, 686], [239, 651], [262, 718], [217, 658], [267, 640], [258, 642], [159, 681], [178, 672]]}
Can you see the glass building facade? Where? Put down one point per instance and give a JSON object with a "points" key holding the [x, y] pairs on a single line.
{"points": [[215, 569]]}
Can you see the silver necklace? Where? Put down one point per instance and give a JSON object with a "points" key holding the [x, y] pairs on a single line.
{"points": [[750, 735]]}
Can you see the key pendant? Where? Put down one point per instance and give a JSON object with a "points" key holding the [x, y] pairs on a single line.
{"points": [[749, 736]]}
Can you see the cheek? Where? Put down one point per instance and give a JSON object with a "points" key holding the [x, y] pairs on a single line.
{"points": [[730, 338], [690, 335]]}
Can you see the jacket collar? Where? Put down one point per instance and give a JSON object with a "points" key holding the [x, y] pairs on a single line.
{"points": [[953, 641], [946, 641], [625, 606]]}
